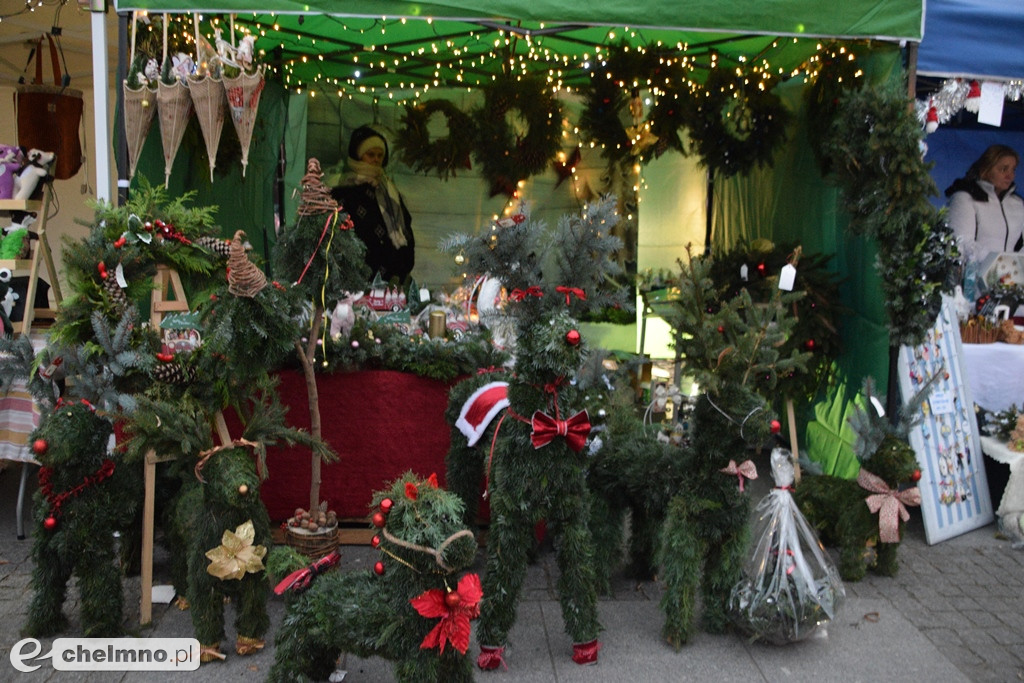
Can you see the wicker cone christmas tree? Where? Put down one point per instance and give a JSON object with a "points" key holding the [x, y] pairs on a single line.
{"points": [[244, 100], [244, 278], [208, 99], [175, 106], [316, 198], [139, 107]]}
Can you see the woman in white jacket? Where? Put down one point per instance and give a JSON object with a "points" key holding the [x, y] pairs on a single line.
{"points": [[985, 212]]}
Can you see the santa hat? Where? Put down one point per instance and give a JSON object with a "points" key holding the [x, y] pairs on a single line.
{"points": [[480, 408], [931, 119], [973, 101]]}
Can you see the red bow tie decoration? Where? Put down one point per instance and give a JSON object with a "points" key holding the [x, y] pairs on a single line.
{"points": [[745, 470], [455, 608], [888, 504], [570, 292], [520, 294], [575, 430]]}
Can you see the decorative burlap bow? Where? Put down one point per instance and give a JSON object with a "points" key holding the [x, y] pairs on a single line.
{"points": [[745, 470], [888, 504], [575, 429]]}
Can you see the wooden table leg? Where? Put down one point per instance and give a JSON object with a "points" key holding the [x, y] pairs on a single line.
{"points": [[148, 515]]}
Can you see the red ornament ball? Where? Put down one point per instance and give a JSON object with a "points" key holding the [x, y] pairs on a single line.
{"points": [[375, 542], [776, 427], [572, 337], [385, 505], [50, 523], [452, 599], [761, 269], [378, 569], [378, 520], [721, 329], [39, 446], [809, 344], [916, 476]]}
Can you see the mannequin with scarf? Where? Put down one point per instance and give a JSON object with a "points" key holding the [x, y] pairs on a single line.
{"points": [[369, 196], [985, 212]]}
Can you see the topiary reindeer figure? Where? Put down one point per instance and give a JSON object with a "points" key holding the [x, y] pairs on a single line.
{"points": [[220, 532], [391, 611], [865, 517]]}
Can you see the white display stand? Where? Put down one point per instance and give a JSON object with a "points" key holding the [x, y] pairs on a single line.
{"points": [[954, 490]]}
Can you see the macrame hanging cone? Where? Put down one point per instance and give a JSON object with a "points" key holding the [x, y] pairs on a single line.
{"points": [[244, 101], [208, 99], [244, 278], [316, 198], [175, 106], [139, 107]]}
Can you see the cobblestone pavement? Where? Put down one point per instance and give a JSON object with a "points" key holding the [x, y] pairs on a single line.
{"points": [[955, 612]]}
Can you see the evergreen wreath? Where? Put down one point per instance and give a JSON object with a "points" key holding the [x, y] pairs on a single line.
{"points": [[505, 157], [734, 125], [443, 155]]}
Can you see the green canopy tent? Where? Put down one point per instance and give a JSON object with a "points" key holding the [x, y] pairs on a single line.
{"points": [[382, 51]]}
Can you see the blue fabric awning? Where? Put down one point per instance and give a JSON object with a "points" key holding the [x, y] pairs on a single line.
{"points": [[973, 38]]}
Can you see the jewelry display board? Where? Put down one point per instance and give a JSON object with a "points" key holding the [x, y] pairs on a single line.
{"points": [[954, 491]]}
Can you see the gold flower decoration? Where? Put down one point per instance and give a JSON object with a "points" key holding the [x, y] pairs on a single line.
{"points": [[236, 555]]}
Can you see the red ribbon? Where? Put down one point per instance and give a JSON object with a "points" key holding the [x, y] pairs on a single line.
{"points": [[454, 625], [57, 500], [300, 579], [520, 294], [331, 217], [575, 430], [745, 470], [569, 292], [888, 504]]}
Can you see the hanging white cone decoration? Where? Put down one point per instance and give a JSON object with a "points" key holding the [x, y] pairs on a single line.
{"points": [[139, 107], [174, 105], [973, 101], [209, 102], [244, 100], [931, 121]]}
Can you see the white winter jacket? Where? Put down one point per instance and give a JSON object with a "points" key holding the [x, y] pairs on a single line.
{"points": [[985, 225]]}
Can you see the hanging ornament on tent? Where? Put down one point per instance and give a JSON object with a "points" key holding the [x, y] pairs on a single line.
{"points": [[243, 83], [931, 121], [207, 92], [139, 104], [973, 101], [174, 106]]}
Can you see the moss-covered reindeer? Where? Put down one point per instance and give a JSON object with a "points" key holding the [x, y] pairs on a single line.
{"points": [[865, 517], [78, 507], [534, 458], [411, 608]]}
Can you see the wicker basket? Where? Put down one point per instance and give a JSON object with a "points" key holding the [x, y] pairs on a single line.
{"points": [[313, 544]]}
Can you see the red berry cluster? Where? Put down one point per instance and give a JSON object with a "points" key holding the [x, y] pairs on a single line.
{"points": [[379, 519], [169, 232]]}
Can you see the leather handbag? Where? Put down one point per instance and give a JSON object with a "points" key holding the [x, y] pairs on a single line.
{"points": [[49, 117]]}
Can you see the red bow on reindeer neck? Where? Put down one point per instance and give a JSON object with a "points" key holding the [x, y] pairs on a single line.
{"points": [[888, 504], [575, 429]]}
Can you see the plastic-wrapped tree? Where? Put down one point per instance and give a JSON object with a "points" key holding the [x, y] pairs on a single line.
{"points": [[324, 260]]}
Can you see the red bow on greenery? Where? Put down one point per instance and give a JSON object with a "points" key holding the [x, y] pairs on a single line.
{"points": [[520, 294], [745, 470], [455, 609], [575, 429], [569, 292], [888, 504], [301, 579]]}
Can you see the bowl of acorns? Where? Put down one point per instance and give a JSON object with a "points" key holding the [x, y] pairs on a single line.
{"points": [[314, 533]]}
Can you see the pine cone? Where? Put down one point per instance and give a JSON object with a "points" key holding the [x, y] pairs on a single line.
{"points": [[173, 373], [115, 292], [216, 245]]}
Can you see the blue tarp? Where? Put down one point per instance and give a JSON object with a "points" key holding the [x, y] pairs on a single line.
{"points": [[973, 38]]}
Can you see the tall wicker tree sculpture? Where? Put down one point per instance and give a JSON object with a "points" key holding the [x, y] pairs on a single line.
{"points": [[324, 259], [536, 468]]}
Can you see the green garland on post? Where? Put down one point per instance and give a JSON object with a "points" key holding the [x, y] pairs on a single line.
{"points": [[443, 155], [874, 146], [735, 124], [505, 157]]}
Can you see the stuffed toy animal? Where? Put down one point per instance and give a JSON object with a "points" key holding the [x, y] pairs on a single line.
{"points": [[410, 609], [35, 172], [219, 535], [77, 508], [11, 161], [16, 237], [865, 517]]}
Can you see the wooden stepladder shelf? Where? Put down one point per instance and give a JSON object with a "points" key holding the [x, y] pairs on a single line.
{"points": [[40, 253]]}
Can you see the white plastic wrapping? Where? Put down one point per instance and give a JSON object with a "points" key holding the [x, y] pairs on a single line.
{"points": [[790, 586]]}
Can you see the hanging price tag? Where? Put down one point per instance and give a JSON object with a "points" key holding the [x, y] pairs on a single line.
{"points": [[743, 272], [788, 277], [424, 294], [119, 276]]}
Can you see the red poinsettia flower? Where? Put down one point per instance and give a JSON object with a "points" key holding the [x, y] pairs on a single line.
{"points": [[411, 492], [432, 480], [455, 613]]}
